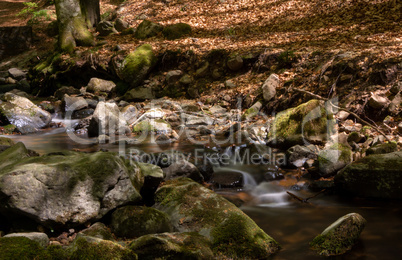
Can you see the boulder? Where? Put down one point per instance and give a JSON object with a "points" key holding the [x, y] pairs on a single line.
{"points": [[21, 248], [24, 114], [194, 208], [186, 245], [152, 125], [147, 29], [137, 65], [382, 148], [120, 25], [129, 113], [105, 28], [173, 76], [269, 87], [334, 158], [308, 123], [106, 120], [217, 110], [139, 94], [68, 187], [72, 104], [183, 168], [252, 111], [41, 238], [235, 63], [98, 230], [176, 31], [96, 85], [59, 94], [4, 141], [378, 102], [91, 248], [340, 236], [203, 70], [298, 155], [136, 221], [376, 176], [17, 74]]}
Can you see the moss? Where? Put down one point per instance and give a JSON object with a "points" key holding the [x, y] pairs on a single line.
{"points": [[137, 64], [20, 248], [4, 141], [176, 31], [85, 250], [81, 33], [136, 221], [353, 137], [12, 155], [382, 148], [147, 29], [346, 153]]}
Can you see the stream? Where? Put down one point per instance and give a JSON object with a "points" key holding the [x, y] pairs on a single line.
{"points": [[291, 223]]}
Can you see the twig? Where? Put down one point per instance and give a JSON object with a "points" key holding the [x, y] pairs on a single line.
{"points": [[296, 197], [344, 109]]}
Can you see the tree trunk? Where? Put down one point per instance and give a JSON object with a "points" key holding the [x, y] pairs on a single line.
{"points": [[73, 29], [91, 11]]}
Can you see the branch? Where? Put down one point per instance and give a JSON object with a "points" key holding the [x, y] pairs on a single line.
{"points": [[344, 109]]}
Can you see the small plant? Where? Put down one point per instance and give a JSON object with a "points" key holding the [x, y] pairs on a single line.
{"points": [[231, 31], [36, 16]]}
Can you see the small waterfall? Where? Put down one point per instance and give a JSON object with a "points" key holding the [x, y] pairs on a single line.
{"points": [[268, 194]]}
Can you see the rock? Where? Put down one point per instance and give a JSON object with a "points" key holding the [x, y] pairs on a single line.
{"points": [[229, 179], [186, 245], [203, 70], [173, 76], [229, 84], [147, 29], [235, 63], [98, 230], [252, 111], [396, 88], [92, 248], [69, 187], [136, 221], [183, 168], [396, 104], [382, 148], [305, 124], [139, 94], [137, 65], [106, 120], [24, 114], [96, 85], [59, 94], [202, 120], [72, 104], [21, 248], [340, 236], [298, 155], [204, 130], [83, 113], [153, 175], [186, 80], [105, 28], [194, 208], [336, 157], [217, 109], [17, 74], [176, 31], [376, 176], [41, 238], [269, 87], [354, 137], [152, 125], [13, 154], [120, 25], [190, 107], [378, 102], [4, 141], [129, 113]]}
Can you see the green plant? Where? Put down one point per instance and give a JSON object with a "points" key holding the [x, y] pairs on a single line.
{"points": [[231, 31], [30, 9]]}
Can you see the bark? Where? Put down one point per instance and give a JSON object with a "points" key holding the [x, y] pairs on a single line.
{"points": [[91, 11], [73, 29]]}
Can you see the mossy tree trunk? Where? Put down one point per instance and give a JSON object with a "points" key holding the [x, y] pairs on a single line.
{"points": [[73, 29]]}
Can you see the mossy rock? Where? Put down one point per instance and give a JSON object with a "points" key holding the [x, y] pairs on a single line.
{"points": [[306, 123], [8, 129], [382, 148], [4, 141], [186, 245], [98, 230], [136, 221], [137, 65], [13, 154], [176, 31], [147, 29], [194, 208], [83, 248], [376, 176], [68, 186], [152, 125], [340, 236], [21, 248], [333, 159]]}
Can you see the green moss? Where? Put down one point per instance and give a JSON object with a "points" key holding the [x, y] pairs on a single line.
{"points": [[4, 141], [382, 148], [85, 250], [176, 31], [346, 153], [137, 64], [147, 29], [20, 248]]}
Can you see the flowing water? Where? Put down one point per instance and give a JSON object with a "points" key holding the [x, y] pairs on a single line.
{"points": [[293, 224]]}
